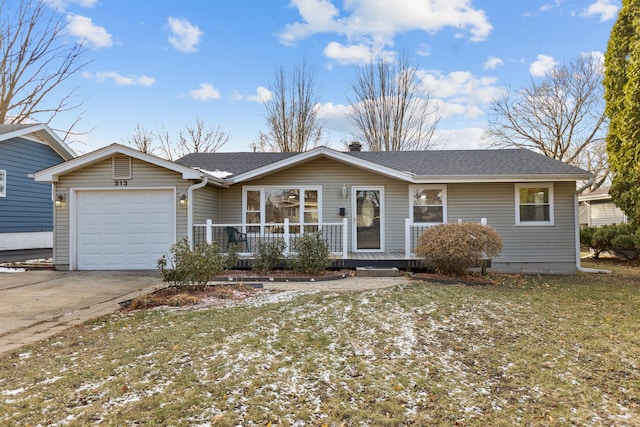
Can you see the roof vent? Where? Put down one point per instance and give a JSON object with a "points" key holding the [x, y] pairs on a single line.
{"points": [[121, 167], [355, 146]]}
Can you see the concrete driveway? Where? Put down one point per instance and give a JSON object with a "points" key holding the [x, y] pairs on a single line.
{"points": [[39, 303]]}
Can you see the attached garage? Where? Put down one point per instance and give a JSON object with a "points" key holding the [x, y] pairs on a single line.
{"points": [[117, 208], [123, 229]]}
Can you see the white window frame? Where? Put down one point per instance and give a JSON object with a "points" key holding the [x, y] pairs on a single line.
{"points": [[547, 185], [3, 181], [263, 188], [441, 187]]}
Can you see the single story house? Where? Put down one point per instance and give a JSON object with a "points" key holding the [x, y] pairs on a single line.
{"points": [[597, 209], [123, 208], [26, 211]]}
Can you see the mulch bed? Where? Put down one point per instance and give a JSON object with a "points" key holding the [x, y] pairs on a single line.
{"points": [[279, 276]]}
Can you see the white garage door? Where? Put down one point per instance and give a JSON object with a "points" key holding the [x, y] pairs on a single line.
{"points": [[124, 230]]}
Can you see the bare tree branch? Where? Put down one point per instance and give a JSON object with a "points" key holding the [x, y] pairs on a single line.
{"points": [[388, 110], [142, 139], [37, 58], [561, 117], [292, 112]]}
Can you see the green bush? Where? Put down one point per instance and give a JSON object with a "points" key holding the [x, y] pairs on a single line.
{"points": [[620, 240], [310, 254], [269, 255], [453, 248], [186, 267], [233, 256]]}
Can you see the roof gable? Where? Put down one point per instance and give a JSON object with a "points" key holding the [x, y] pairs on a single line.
{"points": [[53, 173], [39, 132]]}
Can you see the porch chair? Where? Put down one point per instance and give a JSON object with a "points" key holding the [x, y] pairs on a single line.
{"points": [[235, 236]]}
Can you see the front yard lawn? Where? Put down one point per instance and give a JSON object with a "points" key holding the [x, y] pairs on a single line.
{"points": [[526, 350]]}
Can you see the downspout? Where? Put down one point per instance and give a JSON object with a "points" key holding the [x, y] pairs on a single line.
{"points": [[577, 233], [190, 209]]}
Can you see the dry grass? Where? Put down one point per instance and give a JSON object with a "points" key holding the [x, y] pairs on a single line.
{"points": [[528, 350]]}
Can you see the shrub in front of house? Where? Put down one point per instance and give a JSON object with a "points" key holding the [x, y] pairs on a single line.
{"points": [[620, 240], [187, 267], [310, 254], [269, 256], [452, 249]]}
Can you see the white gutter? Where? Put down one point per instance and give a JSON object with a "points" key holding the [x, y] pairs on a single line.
{"points": [[577, 226], [190, 209]]}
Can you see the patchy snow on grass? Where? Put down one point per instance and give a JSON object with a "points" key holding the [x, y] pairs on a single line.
{"points": [[12, 270]]}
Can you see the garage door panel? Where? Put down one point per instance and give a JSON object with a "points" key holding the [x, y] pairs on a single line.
{"points": [[128, 229]]}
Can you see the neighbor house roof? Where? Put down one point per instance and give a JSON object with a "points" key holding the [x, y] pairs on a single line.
{"points": [[413, 166], [38, 132], [601, 193]]}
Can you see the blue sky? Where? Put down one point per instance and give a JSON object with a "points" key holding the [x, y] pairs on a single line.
{"points": [[164, 63]]}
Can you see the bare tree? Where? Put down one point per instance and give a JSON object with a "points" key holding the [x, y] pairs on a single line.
{"points": [[292, 112], [561, 117], [37, 58], [191, 139], [388, 109], [142, 139]]}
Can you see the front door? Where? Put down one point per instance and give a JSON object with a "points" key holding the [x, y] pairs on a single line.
{"points": [[368, 222]]}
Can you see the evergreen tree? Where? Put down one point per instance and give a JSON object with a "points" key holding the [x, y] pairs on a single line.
{"points": [[622, 96]]}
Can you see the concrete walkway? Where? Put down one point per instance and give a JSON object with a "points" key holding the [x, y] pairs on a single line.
{"points": [[38, 304]]}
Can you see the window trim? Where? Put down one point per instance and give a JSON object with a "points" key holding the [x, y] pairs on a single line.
{"points": [[441, 187], [549, 186], [263, 188], [3, 189]]}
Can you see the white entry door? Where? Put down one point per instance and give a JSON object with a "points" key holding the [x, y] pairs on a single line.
{"points": [[368, 221], [123, 229]]}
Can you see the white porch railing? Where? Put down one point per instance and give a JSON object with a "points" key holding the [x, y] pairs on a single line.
{"points": [[247, 236], [412, 232]]}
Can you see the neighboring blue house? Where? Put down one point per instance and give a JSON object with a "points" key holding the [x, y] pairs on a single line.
{"points": [[26, 206]]}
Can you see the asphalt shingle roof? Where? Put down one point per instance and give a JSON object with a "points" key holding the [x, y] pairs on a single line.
{"points": [[8, 128], [429, 163]]}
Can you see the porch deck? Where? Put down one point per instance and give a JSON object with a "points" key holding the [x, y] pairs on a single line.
{"points": [[377, 259]]}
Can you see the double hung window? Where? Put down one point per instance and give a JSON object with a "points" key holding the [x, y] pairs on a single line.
{"points": [[534, 204], [266, 208], [428, 204]]}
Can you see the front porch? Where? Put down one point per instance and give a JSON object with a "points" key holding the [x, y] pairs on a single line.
{"points": [[246, 237]]}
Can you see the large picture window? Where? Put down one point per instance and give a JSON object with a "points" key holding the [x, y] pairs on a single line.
{"points": [[269, 206], [428, 204], [534, 204], [3, 183]]}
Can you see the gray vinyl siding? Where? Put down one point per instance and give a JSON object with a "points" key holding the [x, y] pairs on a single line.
{"points": [[604, 213], [330, 176], [528, 248], [99, 176], [206, 205], [27, 206]]}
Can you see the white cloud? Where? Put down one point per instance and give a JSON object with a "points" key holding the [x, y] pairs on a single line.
{"points": [[184, 35], [605, 9], [376, 22], [542, 65], [205, 92], [119, 79], [85, 30], [492, 63], [459, 86], [460, 139], [335, 117], [261, 96], [348, 54]]}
